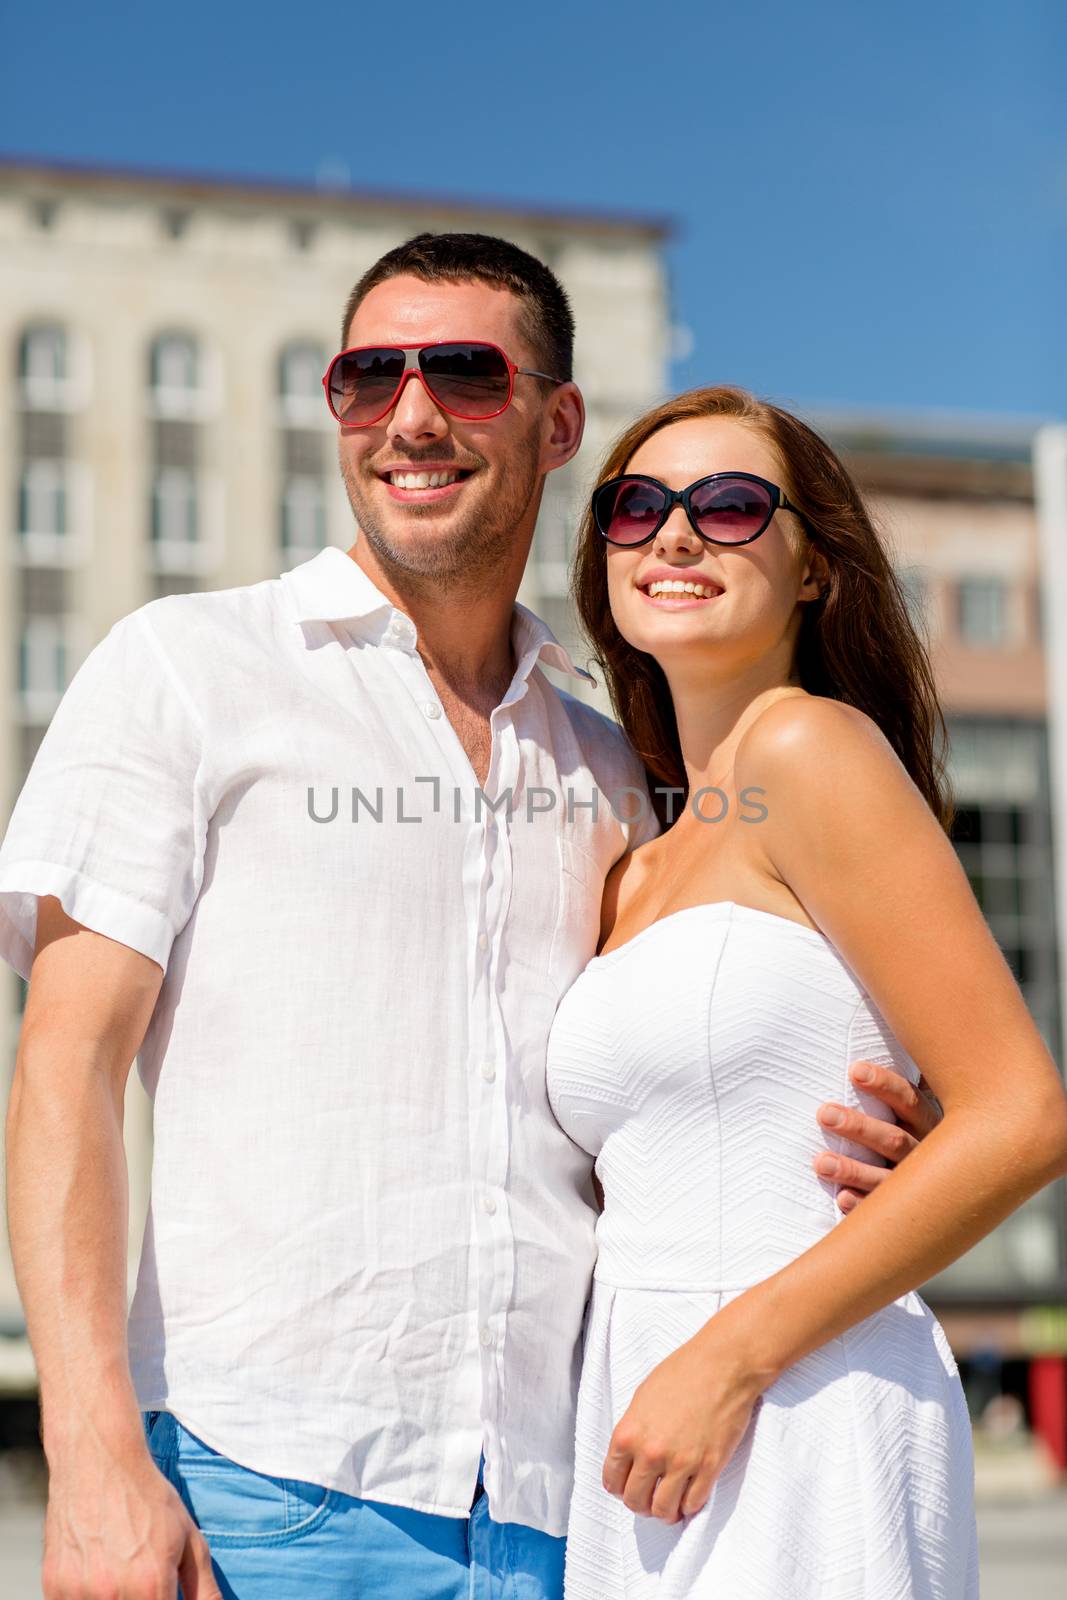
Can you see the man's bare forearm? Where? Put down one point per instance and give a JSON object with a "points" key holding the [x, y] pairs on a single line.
{"points": [[68, 1210]]}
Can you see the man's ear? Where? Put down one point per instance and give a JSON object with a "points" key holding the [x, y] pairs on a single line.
{"points": [[564, 427]]}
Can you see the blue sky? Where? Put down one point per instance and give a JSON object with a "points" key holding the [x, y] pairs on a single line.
{"points": [[871, 203]]}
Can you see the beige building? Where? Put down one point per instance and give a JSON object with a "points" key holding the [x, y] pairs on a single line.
{"points": [[163, 426]]}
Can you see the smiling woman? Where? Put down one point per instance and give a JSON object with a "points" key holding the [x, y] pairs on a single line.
{"points": [[857, 595], [767, 1406]]}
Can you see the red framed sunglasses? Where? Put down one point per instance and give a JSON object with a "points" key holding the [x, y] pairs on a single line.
{"points": [[468, 378]]}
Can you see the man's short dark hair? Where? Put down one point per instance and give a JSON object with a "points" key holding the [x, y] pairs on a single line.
{"points": [[545, 316]]}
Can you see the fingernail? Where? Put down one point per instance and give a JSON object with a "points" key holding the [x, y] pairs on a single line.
{"points": [[828, 1166], [831, 1118], [863, 1075]]}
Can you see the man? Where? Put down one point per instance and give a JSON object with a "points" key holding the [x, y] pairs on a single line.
{"points": [[290, 844]]}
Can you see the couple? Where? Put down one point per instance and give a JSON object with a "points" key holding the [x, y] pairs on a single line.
{"points": [[289, 844]]}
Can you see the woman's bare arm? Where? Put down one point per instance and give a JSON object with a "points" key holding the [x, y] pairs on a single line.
{"points": [[859, 847]]}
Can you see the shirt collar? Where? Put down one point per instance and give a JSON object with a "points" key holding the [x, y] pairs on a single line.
{"points": [[331, 587]]}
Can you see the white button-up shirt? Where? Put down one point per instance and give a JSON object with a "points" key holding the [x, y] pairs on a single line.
{"points": [[370, 1243]]}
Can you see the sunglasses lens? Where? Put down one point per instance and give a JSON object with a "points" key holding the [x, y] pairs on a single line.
{"points": [[730, 510], [470, 380], [626, 512], [362, 384]]}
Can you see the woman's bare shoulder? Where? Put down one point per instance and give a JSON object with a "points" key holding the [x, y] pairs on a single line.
{"points": [[802, 727]]}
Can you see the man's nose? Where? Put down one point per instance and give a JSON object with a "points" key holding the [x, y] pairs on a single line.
{"points": [[415, 416]]}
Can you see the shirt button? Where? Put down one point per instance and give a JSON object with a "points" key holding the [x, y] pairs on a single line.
{"points": [[488, 1072], [483, 941], [488, 1204], [486, 1337], [432, 709]]}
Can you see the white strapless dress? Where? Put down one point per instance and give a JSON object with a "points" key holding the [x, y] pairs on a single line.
{"points": [[689, 1062]]}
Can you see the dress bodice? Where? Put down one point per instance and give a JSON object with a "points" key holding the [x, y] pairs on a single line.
{"points": [[690, 1062]]}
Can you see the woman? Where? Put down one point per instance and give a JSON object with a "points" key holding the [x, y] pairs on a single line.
{"points": [[768, 1410]]}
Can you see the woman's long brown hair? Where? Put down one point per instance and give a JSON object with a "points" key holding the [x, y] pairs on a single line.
{"points": [[856, 644]]}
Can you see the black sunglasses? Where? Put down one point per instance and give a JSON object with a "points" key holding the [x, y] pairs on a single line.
{"points": [[723, 508]]}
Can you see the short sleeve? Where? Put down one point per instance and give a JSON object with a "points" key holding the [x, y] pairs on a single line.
{"points": [[109, 817]]}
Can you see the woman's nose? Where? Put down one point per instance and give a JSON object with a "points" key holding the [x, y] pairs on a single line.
{"points": [[678, 532]]}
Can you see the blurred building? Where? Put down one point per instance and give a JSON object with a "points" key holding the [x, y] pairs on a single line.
{"points": [[163, 426], [957, 502]]}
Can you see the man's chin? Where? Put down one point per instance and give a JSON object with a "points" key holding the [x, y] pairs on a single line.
{"points": [[423, 541]]}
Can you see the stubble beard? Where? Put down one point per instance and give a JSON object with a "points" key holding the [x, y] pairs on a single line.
{"points": [[477, 546]]}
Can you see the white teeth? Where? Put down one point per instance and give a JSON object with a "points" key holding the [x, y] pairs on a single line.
{"points": [[680, 586], [422, 480]]}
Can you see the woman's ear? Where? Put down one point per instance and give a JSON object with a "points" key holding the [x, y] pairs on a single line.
{"points": [[815, 582]]}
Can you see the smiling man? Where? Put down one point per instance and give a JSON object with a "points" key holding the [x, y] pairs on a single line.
{"points": [[351, 1359]]}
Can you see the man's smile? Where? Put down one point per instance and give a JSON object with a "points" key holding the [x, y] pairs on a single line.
{"points": [[425, 483]]}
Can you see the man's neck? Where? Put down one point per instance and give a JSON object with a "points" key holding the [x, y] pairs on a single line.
{"points": [[464, 635]]}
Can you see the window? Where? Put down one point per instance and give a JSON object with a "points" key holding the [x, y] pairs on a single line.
{"points": [[42, 505], [44, 368], [174, 519], [184, 509], [300, 369], [1002, 835], [45, 666], [302, 366], [43, 355], [178, 376], [982, 611], [51, 490], [303, 516], [173, 363], [302, 455]]}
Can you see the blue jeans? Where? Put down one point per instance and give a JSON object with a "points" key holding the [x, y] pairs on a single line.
{"points": [[280, 1539]]}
